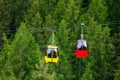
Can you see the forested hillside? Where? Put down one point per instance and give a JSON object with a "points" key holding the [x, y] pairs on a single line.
{"points": [[26, 31]]}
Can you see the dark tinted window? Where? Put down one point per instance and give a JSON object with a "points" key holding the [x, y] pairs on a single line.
{"points": [[49, 52]]}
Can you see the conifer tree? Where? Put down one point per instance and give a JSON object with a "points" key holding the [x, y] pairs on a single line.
{"points": [[113, 16], [24, 54], [22, 59], [59, 69], [100, 50], [38, 23], [97, 9], [97, 41], [88, 73], [6, 72]]}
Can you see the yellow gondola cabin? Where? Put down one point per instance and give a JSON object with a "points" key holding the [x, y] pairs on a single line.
{"points": [[52, 54]]}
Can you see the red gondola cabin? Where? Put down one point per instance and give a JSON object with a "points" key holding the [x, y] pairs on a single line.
{"points": [[81, 49]]}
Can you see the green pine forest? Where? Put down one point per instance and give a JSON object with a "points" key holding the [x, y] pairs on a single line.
{"points": [[25, 33]]}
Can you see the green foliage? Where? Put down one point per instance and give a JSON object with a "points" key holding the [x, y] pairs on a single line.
{"points": [[117, 75], [113, 15], [22, 56], [88, 73], [97, 9], [5, 68]]}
